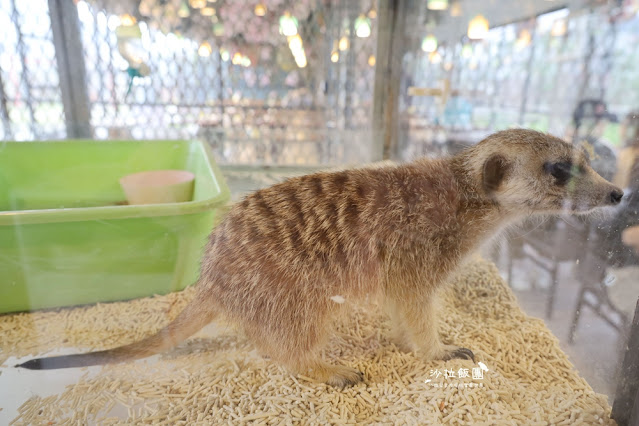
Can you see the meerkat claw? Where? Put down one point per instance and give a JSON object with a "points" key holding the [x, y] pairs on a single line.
{"points": [[354, 380], [346, 379], [460, 353]]}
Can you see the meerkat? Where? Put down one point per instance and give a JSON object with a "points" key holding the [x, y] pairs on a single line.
{"points": [[280, 255]]}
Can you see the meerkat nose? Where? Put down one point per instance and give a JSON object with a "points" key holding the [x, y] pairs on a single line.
{"points": [[616, 196]]}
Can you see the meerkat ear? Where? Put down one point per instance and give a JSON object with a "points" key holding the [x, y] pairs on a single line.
{"points": [[495, 169]]}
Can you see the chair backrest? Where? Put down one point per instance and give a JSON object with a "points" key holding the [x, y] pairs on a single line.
{"points": [[591, 267]]}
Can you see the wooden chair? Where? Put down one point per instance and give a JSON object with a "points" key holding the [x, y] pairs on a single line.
{"points": [[547, 246], [594, 279]]}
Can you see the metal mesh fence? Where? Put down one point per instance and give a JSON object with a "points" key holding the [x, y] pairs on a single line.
{"points": [[30, 99], [219, 71], [532, 73], [165, 69]]}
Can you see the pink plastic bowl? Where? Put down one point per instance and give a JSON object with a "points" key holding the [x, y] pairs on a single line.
{"points": [[158, 186]]}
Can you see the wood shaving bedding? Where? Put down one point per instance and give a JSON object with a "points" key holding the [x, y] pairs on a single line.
{"points": [[216, 378]]}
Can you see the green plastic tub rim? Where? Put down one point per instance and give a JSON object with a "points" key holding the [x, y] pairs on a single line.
{"points": [[21, 217]]}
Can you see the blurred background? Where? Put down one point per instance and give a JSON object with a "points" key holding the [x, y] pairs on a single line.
{"points": [[281, 87]]}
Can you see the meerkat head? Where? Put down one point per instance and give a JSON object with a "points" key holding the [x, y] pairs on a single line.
{"points": [[525, 171]]}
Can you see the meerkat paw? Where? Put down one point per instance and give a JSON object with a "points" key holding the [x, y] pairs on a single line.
{"points": [[339, 376], [456, 352], [345, 377]]}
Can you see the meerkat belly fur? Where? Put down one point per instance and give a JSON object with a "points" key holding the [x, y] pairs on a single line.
{"points": [[280, 256]]}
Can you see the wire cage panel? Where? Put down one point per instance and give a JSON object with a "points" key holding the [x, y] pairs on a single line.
{"points": [[155, 70]]}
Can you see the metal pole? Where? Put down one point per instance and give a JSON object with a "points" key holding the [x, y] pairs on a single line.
{"points": [[555, 116], [524, 95], [587, 59], [349, 84], [23, 64], [496, 82], [388, 73], [65, 25], [608, 57], [220, 73], [4, 111]]}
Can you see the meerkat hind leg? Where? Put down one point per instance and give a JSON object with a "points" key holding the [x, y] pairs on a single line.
{"points": [[297, 347]]}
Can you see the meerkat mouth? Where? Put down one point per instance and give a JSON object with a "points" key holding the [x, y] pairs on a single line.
{"points": [[585, 208], [576, 207]]}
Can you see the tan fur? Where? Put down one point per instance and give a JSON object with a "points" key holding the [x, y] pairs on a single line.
{"points": [[282, 253]]}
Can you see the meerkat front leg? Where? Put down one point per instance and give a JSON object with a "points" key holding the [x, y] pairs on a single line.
{"points": [[415, 325]]}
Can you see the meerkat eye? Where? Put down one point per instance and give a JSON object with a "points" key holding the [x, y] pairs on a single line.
{"points": [[562, 171]]}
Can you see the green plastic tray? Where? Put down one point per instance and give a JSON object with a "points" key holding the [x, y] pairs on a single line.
{"points": [[66, 239]]}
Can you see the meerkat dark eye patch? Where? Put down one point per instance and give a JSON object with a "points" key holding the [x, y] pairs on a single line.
{"points": [[562, 171]]}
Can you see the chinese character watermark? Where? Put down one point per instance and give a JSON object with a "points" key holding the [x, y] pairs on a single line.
{"points": [[476, 373]]}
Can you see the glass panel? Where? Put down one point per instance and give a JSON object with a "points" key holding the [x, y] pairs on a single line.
{"points": [[414, 212]]}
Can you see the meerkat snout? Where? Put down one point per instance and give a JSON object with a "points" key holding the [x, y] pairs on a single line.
{"points": [[615, 196]]}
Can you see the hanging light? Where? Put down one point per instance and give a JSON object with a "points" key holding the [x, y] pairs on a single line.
{"points": [[205, 49], [260, 9], [297, 49], [435, 57], [300, 60], [184, 11], [429, 44], [127, 20], [362, 26], [207, 11], [197, 4], [559, 28], [334, 56], [371, 60], [237, 58], [343, 44], [246, 61], [295, 42], [288, 25], [455, 9], [524, 39], [478, 28], [225, 55], [372, 13], [437, 4]]}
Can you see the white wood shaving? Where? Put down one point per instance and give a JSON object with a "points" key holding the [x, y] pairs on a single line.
{"points": [[338, 299]]}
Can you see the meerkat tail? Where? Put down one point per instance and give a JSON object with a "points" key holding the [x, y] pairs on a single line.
{"points": [[194, 317]]}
